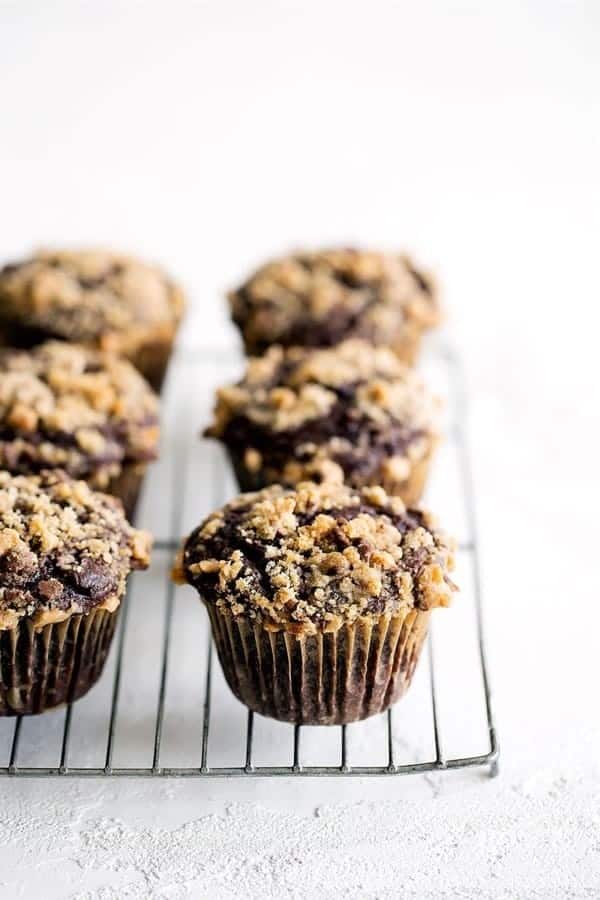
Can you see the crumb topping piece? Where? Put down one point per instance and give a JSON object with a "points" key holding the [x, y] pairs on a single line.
{"points": [[317, 557], [71, 407], [63, 547], [317, 299], [286, 388], [352, 411], [91, 296]]}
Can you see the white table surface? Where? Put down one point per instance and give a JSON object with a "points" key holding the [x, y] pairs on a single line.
{"points": [[210, 135]]}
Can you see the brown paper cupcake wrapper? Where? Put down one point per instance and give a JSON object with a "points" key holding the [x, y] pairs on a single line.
{"points": [[58, 663], [410, 490], [247, 480], [321, 679], [127, 486], [152, 360]]}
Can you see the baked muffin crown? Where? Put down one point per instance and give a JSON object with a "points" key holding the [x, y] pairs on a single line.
{"points": [[63, 547], [71, 407], [352, 412], [286, 388], [319, 298], [91, 296], [317, 557]]}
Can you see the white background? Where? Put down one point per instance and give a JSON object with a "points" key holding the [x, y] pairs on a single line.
{"points": [[210, 135]]}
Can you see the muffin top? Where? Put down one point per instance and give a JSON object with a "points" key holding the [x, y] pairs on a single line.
{"points": [[317, 299], [317, 557], [353, 406], [70, 407], [63, 548], [91, 296]]}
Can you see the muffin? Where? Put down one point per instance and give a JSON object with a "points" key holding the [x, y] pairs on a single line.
{"points": [[319, 598], [65, 554], [353, 412], [318, 299], [87, 412], [105, 300]]}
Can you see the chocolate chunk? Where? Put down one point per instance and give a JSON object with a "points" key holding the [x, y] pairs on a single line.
{"points": [[50, 589], [17, 567], [94, 578]]}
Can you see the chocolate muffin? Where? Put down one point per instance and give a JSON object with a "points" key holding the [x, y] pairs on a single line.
{"points": [[65, 554], [105, 300], [87, 412], [318, 299], [353, 412], [319, 598]]}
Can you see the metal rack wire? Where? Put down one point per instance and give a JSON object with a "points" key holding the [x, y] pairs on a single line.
{"points": [[296, 767]]}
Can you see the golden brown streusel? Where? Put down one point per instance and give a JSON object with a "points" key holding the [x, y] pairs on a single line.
{"points": [[287, 388], [317, 557], [352, 412], [63, 546], [320, 298], [98, 297], [68, 406]]}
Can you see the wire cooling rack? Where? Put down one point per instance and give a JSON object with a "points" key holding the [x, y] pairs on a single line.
{"points": [[162, 707]]}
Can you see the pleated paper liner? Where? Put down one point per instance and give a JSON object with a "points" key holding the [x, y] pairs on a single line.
{"points": [[330, 678], [152, 360], [41, 668], [127, 486]]}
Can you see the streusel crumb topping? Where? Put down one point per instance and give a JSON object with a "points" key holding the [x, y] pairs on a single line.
{"points": [[91, 296], [67, 406], [352, 412], [317, 557], [317, 299], [284, 389], [63, 547]]}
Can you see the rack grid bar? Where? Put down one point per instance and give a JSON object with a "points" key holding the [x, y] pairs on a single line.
{"points": [[458, 386], [12, 766], [114, 707], [65, 741], [235, 771], [249, 735], [206, 713], [297, 765], [437, 736], [390, 741], [344, 767], [489, 759], [160, 712]]}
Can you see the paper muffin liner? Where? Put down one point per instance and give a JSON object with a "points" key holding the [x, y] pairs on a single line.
{"points": [[152, 360], [44, 667], [330, 678], [247, 480], [410, 490], [127, 486]]}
